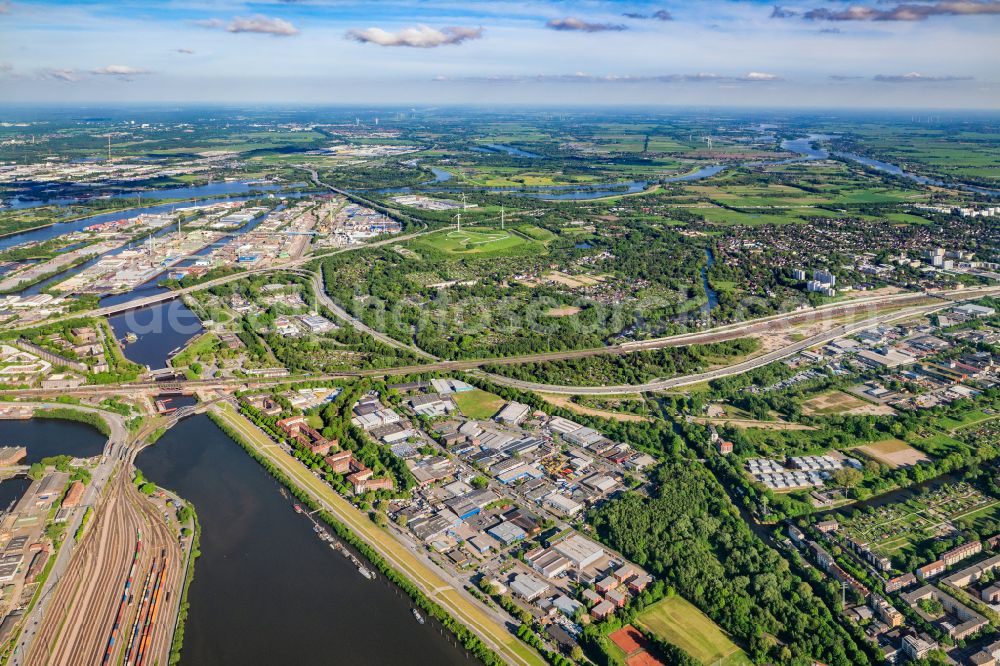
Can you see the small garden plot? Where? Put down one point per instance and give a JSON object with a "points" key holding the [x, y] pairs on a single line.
{"points": [[898, 527]]}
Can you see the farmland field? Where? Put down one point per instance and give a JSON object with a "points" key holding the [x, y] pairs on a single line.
{"points": [[677, 621]]}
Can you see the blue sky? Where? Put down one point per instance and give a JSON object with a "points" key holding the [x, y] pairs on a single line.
{"points": [[813, 53]]}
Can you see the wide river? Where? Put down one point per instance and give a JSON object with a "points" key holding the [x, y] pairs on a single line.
{"points": [[266, 590]]}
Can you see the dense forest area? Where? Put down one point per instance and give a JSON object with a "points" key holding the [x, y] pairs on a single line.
{"points": [[689, 534]]}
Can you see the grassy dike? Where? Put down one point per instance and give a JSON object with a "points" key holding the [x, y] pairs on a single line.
{"points": [[504, 648]]}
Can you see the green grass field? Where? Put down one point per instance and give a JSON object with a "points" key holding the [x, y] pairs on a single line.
{"points": [[939, 445], [480, 242], [478, 404], [201, 345], [968, 419], [677, 621], [536, 233]]}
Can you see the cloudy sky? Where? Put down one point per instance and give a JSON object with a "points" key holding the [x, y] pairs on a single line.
{"points": [[806, 53]]}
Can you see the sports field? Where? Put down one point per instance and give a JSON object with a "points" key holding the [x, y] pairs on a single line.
{"points": [[838, 402], [677, 621], [893, 452], [480, 242], [478, 404], [632, 647]]}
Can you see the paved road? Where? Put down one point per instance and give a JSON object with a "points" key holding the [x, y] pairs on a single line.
{"points": [[344, 315], [727, 371], [727, 332]]}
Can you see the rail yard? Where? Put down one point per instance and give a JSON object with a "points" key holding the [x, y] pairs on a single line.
{"points": [[117, 601]]}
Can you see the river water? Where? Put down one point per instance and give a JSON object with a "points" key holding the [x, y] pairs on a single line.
{"points": [[44, 438], [160, 329], [188, 192], [266, 590], [52, 437], [510, 150], [804, 147]]}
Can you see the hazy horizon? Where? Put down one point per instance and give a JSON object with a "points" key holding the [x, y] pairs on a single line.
{"points": [[811, 54]]}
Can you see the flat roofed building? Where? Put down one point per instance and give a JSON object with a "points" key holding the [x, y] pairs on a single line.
{"points": [[562, 426], [507, 533], [550, 563], [601, 482], [513, 413], [580, 551], [562, 504], [528, 587], [602, 610], [567, 606], [973, 310], [885, 358], [617, 597]]}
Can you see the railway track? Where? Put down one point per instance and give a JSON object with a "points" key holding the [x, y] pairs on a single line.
{"points": [[79, 623]]}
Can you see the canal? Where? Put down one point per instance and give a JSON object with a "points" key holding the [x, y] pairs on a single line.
{"points": [[160, 330], [43, 438], [266, 590], [52, 437]]}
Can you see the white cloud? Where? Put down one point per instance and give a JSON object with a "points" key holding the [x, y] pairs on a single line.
{"points": [[917, 77], [905, 12], [420, 36], [582, 77], [120, 70], [65, 75], [571, 23], [267, 25]]}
